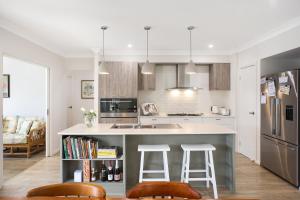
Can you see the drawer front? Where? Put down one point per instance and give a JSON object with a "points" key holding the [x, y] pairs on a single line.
{"points": [[155, 120], [227, 122], [185, 120]]}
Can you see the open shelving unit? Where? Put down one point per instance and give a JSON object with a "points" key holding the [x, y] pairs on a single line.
{"points": [[68, 166]]}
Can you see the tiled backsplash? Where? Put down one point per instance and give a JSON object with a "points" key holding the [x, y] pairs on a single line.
{"points": [[183, 101]]}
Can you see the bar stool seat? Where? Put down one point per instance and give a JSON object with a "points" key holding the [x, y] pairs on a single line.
{"points": [[164, 148], [198, 147], [158, 147], [209, 170]]}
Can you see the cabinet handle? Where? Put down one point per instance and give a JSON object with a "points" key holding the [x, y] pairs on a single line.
{"points": [[154, 119], [185, 119], [218, 119]]}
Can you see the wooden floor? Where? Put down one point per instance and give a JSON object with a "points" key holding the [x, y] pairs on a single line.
{"points": [[21, 174]]}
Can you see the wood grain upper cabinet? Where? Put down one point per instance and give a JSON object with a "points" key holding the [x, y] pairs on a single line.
{"points": [[219, 76], [146, 81], [121, 82]]}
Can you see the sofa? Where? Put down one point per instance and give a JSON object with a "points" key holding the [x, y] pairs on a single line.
{"points": [[23, 135]]}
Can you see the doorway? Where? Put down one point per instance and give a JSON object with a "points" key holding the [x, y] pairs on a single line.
{"points": [[247, 104], [25, 115]]}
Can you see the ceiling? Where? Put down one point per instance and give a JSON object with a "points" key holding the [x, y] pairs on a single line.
{"points": [[72, 27]]}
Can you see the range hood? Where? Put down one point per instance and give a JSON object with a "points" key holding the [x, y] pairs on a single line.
{"points": [[182, 80]]}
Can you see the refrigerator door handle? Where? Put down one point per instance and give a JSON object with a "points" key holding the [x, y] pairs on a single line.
{"points": [[271, 140], [273, 114], [278, 117]]}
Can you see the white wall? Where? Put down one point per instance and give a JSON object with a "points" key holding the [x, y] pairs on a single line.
{"points": [[28, 92], [76, 102], [184, 101], [252, 56], [78, 69], [18, 47]]}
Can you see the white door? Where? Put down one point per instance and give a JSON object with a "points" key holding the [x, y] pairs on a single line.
{"points": [[247, 112], [69, 97]]}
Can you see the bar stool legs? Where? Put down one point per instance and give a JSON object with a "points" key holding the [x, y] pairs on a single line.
{"points": [[166, 166], [141, 167], [154, 148], [209, 166], [206, 168], [213, 176]]}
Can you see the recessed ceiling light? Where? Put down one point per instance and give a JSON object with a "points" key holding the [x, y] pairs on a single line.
{"points": [[129, 45], [210, 46]]}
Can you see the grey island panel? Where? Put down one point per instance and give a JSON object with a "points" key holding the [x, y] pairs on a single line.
{"points": [[223, 157]]}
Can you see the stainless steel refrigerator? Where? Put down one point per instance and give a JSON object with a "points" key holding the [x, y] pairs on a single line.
{"points": [[280, 124]]}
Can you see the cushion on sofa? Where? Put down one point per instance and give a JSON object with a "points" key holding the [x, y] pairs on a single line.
{"points": [[20, 121], [25, 127], [36, 124], [10, 124], [10, 138]]}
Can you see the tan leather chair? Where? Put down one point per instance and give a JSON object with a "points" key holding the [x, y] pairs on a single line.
{"points": [[69, 190], [163, 189]]}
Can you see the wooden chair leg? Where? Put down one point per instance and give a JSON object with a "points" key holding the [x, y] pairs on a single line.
{"points": [[28, 151]]}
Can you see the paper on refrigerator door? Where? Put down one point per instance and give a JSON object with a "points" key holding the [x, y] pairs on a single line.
{"points": [[283, 79], [263, 80], [271, 89], [285, 89], [263, 99]]}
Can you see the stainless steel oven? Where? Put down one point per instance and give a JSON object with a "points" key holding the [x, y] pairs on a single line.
{"points": [[118, 108]]}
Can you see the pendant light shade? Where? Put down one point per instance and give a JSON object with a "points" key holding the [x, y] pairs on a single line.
{"points": [[103, 68], [190, 68], [147, 68]]}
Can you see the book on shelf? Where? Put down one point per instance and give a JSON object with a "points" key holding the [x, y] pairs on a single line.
{"points": [[80, 148], [107, 152]]}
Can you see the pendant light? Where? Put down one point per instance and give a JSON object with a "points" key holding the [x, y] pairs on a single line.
{"points": [[190, 68], [103, 68], [147, 68]]}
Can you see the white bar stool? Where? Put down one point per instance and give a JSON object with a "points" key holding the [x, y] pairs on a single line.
{"points": [[209, 164], [164, 148]]}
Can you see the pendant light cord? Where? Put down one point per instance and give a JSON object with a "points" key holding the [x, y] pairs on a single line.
{"points": [[190, 45], [147, 44], [103, 45]]}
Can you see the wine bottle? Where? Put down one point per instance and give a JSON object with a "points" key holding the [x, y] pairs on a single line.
{"points": [[103, 172], [110, 176], [93, 176], [117, 174]]}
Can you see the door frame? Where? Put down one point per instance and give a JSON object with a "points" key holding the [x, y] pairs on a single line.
{"points": [[47, 114], [257, 110]]}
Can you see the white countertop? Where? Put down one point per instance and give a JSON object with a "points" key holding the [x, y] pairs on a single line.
{"points": [[186, 128], [205, 115]]}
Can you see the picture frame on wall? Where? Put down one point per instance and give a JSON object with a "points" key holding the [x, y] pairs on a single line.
{"points": [[87, 89], [6, 86]]}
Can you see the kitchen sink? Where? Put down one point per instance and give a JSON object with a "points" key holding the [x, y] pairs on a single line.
{"points": [[145, 126]]}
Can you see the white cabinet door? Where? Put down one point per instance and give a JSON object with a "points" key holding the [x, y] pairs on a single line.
{"points": [[227, 122]]}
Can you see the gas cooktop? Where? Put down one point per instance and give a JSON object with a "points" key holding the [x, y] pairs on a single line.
{"points": [[185, 114]]}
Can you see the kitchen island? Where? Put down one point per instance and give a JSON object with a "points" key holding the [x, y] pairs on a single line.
{"points": [[128, 138]]}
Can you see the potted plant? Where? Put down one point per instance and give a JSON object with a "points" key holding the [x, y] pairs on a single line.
{"points": [[89, 117]]}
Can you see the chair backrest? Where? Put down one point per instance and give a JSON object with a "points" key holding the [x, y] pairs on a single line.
{"points": [[69, 190], [163, 189]]}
